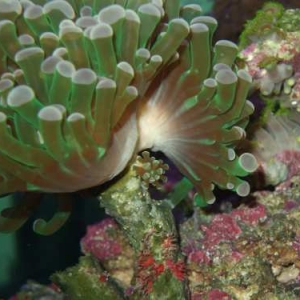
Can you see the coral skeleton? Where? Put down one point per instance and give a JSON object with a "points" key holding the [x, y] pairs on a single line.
{"points": [[86, 85]]}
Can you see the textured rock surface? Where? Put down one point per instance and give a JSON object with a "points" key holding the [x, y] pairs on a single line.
{"points": [[236, 12]]}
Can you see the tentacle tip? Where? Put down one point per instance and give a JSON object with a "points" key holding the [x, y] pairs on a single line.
{"points": [[226, 43], [244, 75], [243, 189], [39, 227], [248, 162], [226, 76], [200, 202]]}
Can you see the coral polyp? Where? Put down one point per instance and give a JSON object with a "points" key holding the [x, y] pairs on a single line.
{"points": [[86, 85], [276, 146]]}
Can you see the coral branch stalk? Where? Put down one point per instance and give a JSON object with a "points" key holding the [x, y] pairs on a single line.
{"points": [[150, 227]]}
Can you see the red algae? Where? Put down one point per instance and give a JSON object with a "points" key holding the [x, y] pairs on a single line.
{"points": [[222, 228], [218, 295], [101, 240], [250, 215]]}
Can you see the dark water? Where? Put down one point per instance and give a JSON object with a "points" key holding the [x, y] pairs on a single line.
{"points": [[25, 255]]}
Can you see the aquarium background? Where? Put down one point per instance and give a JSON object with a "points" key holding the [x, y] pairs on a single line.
{"points": [[26, 255]]}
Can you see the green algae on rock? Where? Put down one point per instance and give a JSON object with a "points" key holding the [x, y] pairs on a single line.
{"points": [[270, 52]]}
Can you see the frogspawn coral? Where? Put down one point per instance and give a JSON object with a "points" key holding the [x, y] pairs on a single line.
{"points": [[86, 85]]}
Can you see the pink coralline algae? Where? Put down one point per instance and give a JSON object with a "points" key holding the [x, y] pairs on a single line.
{"points": [[222, 228], [199, 257], [290, 205], [101, 240], [290, 158], [214, 294], [218, 295], [250, 215], [296, 244], [229, 253], [106, 242]]}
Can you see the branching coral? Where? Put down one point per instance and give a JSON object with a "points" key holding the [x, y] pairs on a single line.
{"points": [[150, 170], [86, 85]]}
